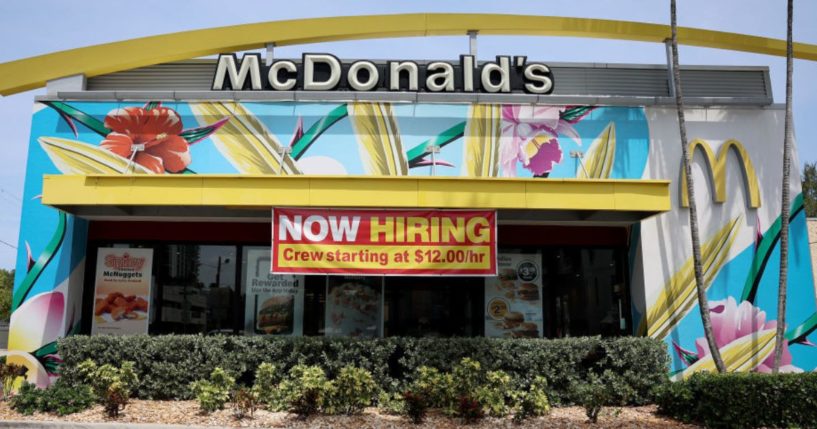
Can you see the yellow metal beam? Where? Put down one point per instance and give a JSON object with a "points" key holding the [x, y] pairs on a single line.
{"points": [[357, 191], [34, 72]]}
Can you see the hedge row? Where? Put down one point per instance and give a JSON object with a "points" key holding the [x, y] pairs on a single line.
{"points": [[747, 400], [166, 365]]}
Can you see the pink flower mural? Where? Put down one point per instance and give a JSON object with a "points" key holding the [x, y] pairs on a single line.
{"points": [[530, 136], [731, 322], [37, 322]]}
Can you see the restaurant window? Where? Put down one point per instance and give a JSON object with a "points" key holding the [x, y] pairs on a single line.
{"points": [[354, 306], [196, 288], [209, 289], [434, 306], [585, 291]]}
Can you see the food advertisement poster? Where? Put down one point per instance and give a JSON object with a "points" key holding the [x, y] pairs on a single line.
{"points": [[513, 299], [274, 303], [122, 291], [354, 306], [384, 242]]}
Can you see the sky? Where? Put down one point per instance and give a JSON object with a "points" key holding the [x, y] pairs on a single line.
{"points": [[36, 27]]}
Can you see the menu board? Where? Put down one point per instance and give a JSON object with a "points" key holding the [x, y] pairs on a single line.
{"points": [[122, 291], [513, 299], [354, 306], [274, 303]]}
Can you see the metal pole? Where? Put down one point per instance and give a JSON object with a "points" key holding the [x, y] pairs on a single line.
{"points": [[472, 42], [433, 150], [270, 53], [579, 156], [218, 273]]}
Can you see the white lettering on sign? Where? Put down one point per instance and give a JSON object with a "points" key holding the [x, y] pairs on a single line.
{"points": [[310, 61], [250, 65], [309, 224], [325, 72], [293, 227], [344, 229], [316, 228]]}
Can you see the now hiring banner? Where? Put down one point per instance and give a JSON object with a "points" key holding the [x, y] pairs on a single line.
{"points": [[385, 242]]}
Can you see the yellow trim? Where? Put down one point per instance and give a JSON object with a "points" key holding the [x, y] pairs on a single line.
{"points": [[34, 72], [717, 171], [356, 191]]}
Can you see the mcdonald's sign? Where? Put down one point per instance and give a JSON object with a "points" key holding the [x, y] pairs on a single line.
{"points": [[717, 170]]}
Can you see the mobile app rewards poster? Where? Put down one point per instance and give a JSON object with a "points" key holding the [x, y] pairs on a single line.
{"points": [[513, 299], [275, 302], [122, 291]]}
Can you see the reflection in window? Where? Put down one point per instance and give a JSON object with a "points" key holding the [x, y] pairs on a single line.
{"points": [[434, 306], [197, 285], [587, 292]]}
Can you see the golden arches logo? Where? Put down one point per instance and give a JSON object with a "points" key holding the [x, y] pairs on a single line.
{"points": [[717, 170]]}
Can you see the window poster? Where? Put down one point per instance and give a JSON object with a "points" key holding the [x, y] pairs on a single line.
{"points": [[274, 303], [354, 306], [122, 291], [513, 299]]}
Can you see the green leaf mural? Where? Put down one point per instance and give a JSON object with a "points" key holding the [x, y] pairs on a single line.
{"points": [[22, 291], [764, 252]]}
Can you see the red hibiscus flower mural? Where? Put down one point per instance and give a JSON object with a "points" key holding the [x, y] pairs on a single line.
{"points": [[152, 137]]}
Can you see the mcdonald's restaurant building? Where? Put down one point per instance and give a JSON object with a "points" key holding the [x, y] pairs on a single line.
{"points": [[318, 196]]}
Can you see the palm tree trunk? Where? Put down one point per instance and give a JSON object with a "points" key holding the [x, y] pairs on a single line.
{"points": [[700, 286], [784, 215]]}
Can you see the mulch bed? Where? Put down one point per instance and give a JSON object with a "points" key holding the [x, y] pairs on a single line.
{"points": [[187, 413]]}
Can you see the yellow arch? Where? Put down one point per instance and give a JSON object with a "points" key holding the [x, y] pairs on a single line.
{"points": [[34, 72], [717, 171]]}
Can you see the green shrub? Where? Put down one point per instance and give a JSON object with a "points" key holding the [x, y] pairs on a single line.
{"points": [[265, 388], [112, 385], [27, 399], [353, 390], [63, 399], [592, 395], [167, 365], [438, 389], [391, 403], [495, 394], [674, 400], [59, 398], [492, 390], [742, 400], [212, 394], [467, 375], [306, 389], [532, 402]]}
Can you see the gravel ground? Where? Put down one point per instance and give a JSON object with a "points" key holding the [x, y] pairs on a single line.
{"points": [[187, 413]]}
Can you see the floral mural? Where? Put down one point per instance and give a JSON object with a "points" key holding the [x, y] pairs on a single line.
{"points": [[148, 136], [151, 139], [733, 324], [530, 137], [480, 140]]}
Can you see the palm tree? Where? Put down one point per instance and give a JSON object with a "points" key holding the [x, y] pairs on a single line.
{"points": [[700, 286], [784, 215]]}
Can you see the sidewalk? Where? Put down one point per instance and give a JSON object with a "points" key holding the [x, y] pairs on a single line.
{"points": [[17, 424]]}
